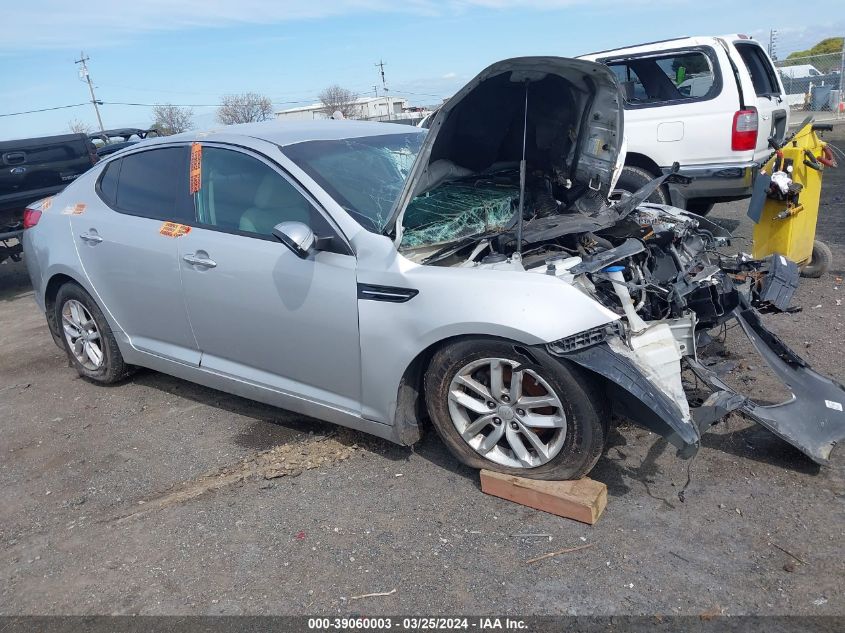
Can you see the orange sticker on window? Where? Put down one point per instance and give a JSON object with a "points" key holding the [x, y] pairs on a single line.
{"points": [[196, 168], [173, 229]]}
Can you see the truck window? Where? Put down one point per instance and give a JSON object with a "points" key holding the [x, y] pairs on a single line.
{"points": [[659, 79], [760, 68]]}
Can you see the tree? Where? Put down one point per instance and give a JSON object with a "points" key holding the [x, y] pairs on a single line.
{"points": [[244, 108], [79, 127], [827, 54], [337, 99], [170, 119]]}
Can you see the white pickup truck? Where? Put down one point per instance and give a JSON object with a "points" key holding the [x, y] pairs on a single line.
{"points": [[708, 103]]}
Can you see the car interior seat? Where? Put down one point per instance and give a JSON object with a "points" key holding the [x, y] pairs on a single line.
{"points": [[275, 201]]}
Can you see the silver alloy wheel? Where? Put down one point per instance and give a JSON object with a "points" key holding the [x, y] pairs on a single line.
{"points": [[82, 335], [520, 424]]}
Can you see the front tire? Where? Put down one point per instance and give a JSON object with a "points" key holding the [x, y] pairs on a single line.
{"points": [[498, 409], [87, 337]]}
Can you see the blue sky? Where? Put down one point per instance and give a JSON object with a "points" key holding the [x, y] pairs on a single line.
{"points": [[194, 51]]}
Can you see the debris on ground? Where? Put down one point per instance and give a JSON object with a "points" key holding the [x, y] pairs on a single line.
{"points": [[374, 595], [285, 460]]}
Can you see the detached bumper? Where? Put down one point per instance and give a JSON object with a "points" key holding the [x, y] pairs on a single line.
{"points": [[713, 182], [813, 420]]}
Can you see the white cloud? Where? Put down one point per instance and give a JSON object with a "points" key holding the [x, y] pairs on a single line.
{"points": [[59, 24], [450, 75]]}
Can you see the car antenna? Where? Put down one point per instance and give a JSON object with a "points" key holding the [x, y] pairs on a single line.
{"points": [[522, 170]]}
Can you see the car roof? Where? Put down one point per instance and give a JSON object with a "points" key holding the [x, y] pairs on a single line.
{"points": [[662, 45], [284, 133]]}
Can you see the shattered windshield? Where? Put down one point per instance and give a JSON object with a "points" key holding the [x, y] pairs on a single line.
{"points": [[460, 208], [365, 175]]}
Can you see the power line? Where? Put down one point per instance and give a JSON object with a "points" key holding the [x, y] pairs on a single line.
{"points": [[72, 105], [84, 73]]}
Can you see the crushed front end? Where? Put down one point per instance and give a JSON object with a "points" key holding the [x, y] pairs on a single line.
{"points": [[528, 186], [672, 286]]}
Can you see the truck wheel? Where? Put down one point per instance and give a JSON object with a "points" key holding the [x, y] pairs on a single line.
{"points": [[87, 337], [496, 408], [820, 261], [633, 178]]}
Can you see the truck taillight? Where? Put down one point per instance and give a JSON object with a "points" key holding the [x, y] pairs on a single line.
{"points": [[744, 132], [30, 218]]}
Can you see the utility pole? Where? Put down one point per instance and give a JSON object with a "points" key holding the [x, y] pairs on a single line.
{"points": [[84, 74], [773, 40], [380, 66], [375, 90]]}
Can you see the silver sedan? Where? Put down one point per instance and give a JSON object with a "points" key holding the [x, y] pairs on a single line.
{"points": [[377, 275]]}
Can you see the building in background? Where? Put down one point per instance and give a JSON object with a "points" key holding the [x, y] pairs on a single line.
{"points": [[384, 108]]}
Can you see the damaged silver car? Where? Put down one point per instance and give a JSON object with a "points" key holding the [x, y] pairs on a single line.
{"points": [[483, 275]]}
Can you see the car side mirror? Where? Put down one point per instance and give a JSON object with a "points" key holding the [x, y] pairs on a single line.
{"points": [[297, 236]]}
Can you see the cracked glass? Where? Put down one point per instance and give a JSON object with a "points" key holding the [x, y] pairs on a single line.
{"points": [[364, 175]]}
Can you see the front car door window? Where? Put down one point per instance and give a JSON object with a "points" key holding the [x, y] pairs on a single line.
{"points": [[240, 193]]}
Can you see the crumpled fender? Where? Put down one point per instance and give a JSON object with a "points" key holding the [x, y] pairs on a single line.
{"points": [[812, 420], [637, 398]]}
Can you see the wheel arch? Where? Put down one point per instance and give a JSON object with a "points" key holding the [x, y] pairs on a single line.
{"points": [[51, 291], [410, 412], [635, 159]]}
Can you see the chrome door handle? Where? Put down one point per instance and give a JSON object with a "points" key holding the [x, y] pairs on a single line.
{"points": [[91, 238], [192, 259]]}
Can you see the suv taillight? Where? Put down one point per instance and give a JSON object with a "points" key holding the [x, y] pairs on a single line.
{"points": [[30, 218], [744, 132]]}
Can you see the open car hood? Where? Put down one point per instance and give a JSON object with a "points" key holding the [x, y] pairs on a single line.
{"points": [[572, 126]]}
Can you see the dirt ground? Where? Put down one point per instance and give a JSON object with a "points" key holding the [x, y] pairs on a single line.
{"points": [[156, 496]]}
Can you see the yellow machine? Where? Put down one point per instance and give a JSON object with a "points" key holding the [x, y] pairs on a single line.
{"points": [[790, 185]]}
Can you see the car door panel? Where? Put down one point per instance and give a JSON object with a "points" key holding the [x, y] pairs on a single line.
{"points": [[259, 312], [134, 270], [264, 315]]}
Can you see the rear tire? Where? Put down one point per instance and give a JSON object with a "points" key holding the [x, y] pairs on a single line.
{"points": [[633, 178], [87, 337], [512, 430], [820, 261]]}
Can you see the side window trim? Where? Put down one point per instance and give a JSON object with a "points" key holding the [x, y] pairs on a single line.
{"points": [[341, 243], [98, 185], [183, 201], [708, 51]]}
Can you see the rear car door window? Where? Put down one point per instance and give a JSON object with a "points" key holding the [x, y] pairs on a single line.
{"points": [[153, 184], [108, 183], [760, 68], [241, 194], [666, 78]]}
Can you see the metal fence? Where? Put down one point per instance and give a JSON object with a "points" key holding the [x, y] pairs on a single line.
{"points": [[814, 83]]}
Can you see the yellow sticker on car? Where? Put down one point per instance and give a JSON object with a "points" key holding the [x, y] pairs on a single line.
{"points": [[174, 229], [47, 203]]}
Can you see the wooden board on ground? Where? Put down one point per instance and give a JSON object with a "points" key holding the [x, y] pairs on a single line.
{"points": [[583, 500]]}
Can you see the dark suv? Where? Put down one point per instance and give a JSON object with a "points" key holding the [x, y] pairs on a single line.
{"points": [[34, 168]]}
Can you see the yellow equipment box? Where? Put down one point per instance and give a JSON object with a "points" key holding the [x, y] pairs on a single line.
{"points": [[787, 221]]}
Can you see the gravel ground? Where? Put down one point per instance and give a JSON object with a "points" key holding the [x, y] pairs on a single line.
{"points": [[152, 497]]}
